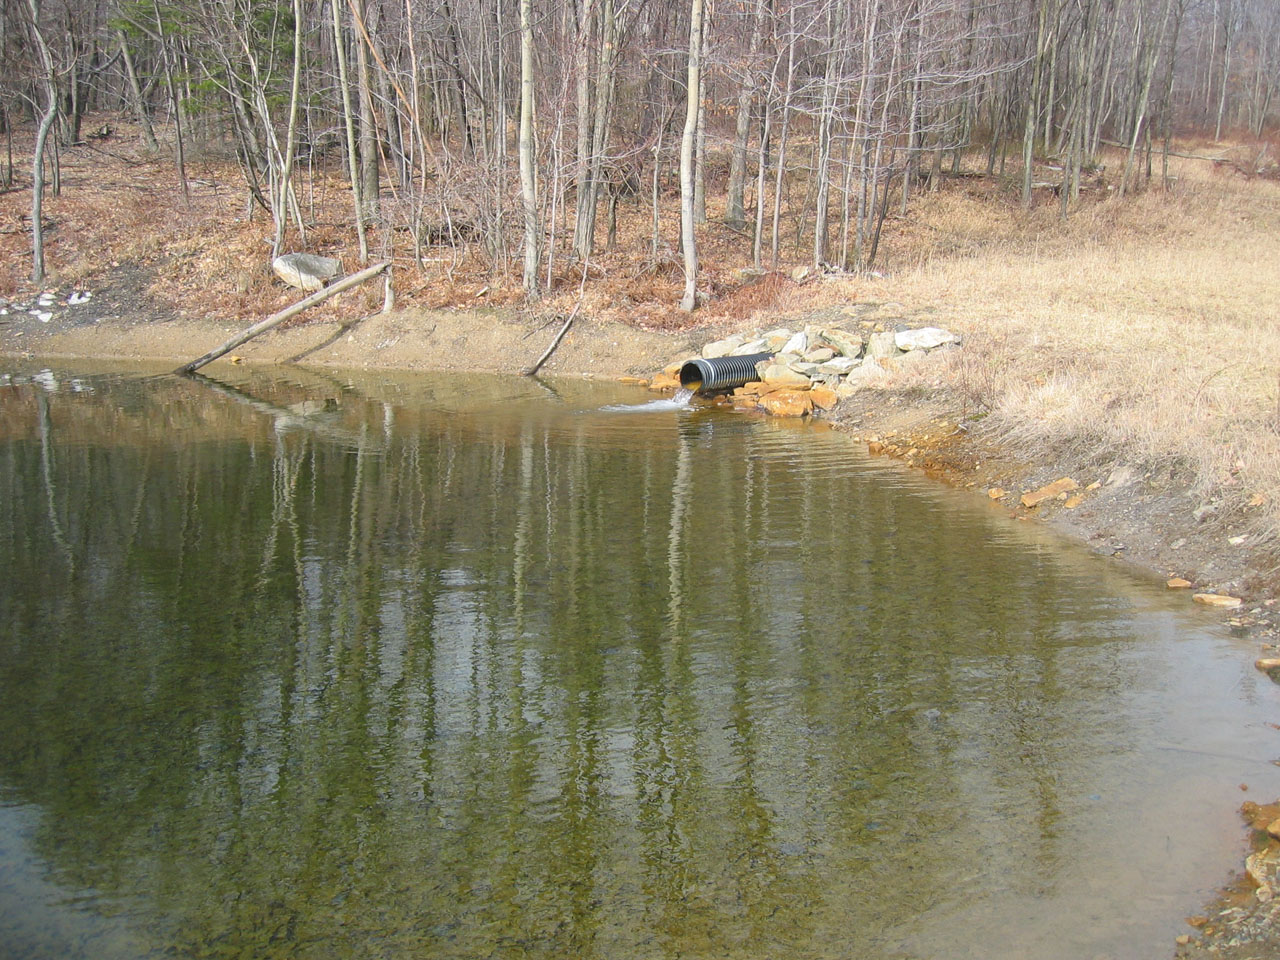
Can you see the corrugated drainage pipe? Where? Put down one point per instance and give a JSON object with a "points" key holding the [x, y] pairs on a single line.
{"points": [[720, 373]]}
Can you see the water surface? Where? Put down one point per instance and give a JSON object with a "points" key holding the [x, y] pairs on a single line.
{"points": [[319, 666]]}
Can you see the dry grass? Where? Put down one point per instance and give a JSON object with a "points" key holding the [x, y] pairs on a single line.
{"points": [[1143, 332]]}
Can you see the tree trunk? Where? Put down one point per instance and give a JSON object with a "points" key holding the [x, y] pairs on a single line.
{"points": [[692, 104], [135, 89], [369, 174], [528, 182], [286, 171], [47, 74], [348, 120], [735, 210]]}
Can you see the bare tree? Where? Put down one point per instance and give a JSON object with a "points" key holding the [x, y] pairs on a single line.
{"points": [[692, 106]]}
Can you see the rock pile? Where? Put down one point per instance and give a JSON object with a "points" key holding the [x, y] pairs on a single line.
{"points": [[817, 366]]}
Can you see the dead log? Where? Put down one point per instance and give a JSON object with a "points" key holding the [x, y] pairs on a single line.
{"points": [[554, 343], [244, 336]]}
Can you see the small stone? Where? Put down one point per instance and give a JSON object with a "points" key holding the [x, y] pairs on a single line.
{"points": [[1182, 939], [995, 493], [1236, 541], [802, 273], [1096, 485], [1048, 492], [1217, 600], [820, 355], [1267, 664], [663, 382], [1177, 583], [1073, 502]]}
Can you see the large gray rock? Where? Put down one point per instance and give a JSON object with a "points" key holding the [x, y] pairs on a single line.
{"points": [[839, 365], [925, 338], [783, 374], [798, 343], [306, 271], [880, 345], [750, 347], [868, 369], [849, 344], [722, 348]]}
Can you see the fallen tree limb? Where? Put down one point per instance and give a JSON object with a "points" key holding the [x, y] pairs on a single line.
{"points": [[346, 283], [556, 342], [1172, 153]]}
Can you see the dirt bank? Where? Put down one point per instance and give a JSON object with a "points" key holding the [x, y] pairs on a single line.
{"points": [[1156, 520]]}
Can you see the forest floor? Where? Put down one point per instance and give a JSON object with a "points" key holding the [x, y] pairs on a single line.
{"points": [[1131, 346]]}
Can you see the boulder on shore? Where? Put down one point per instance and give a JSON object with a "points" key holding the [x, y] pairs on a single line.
{"points": [[306, 271]]}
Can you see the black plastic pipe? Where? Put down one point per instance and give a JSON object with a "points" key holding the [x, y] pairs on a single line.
{"points": [[720, 373]]}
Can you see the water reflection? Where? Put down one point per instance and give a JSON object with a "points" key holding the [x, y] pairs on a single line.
{"points": [[461, 668]]}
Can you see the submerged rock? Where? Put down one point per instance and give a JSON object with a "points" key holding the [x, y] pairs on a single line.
{"points": [[1218, 600]]}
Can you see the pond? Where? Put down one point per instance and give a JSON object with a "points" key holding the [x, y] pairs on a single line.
{"points": [[297, 664]]}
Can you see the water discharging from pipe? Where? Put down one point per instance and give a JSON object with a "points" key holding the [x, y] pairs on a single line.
{"points": [[677, 401]]}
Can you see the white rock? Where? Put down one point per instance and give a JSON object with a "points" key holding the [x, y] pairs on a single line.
{"points": [[925, 338], [798, 344], [870, 367], [882, 345], [721, 348], [850, 344], [306, 270], [839, 365], [750, 347], [781, 373]]}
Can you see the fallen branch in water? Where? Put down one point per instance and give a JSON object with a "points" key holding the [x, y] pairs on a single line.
{"points": [[244, 336]]}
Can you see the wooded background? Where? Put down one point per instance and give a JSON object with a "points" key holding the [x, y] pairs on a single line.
{"points": [[514, 128]]}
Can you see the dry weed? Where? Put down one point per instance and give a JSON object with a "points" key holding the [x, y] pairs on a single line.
{"points": [[1142, 332]]}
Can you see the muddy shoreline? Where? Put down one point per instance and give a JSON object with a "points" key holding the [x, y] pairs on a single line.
{"points": [[1154, 522]]}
